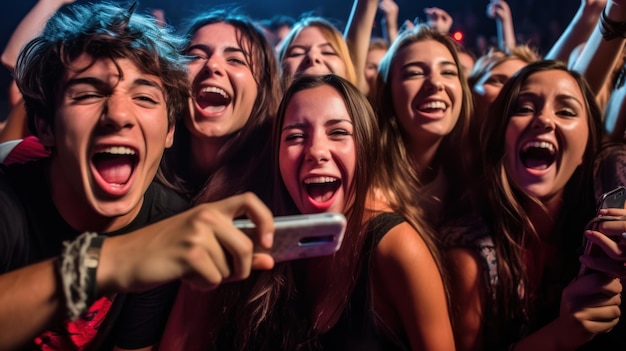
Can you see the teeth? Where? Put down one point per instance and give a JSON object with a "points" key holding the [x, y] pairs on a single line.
{"points": [[539, 144], [119, 150], [215, 90], [318, 180], [434, 105]]}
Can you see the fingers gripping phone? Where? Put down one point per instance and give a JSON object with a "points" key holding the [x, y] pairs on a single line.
{"points": [[301, 236], [615, 198]]}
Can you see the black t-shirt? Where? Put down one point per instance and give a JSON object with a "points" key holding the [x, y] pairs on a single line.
{"points": [[31, 230]]}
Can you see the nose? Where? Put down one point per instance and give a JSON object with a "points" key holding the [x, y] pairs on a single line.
{"points": [[434, 82], [214, 66], [318, 151], [543, 122], [313, 57], [117, 113]]}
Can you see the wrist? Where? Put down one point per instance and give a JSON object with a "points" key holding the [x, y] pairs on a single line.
{"points": [[77, 267], [611, 28], [110, 268], [566, 336], [614, 12], [92, 260]]}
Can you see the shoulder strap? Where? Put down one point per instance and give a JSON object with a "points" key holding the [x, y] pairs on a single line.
{"points": [[381, 225]]}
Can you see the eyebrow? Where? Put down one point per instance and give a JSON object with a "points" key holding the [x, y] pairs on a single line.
{"points": [[148, 83], [421, 64], [567, 97], [305, 125], [559, 97], [96, 82], [301, 46], [100, 84], [206, 48], [499, 75]]}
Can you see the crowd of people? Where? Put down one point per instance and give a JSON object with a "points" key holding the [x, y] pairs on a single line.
{"points": [[470, 182]]}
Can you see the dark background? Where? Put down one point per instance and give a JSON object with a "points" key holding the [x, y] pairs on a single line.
{"points": [[536, 22]]}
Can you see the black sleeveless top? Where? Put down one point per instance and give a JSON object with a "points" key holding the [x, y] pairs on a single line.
{"points": [[357, 328]]}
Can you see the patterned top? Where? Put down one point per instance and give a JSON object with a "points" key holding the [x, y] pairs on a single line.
{"points": [[472, 233]]}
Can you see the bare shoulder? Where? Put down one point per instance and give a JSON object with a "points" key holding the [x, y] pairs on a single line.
{"points": [[464, 266], [403, 245], [404, 249]]}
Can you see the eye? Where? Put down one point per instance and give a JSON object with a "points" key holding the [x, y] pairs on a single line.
{"points": [[524, 109], [340, 132], [414, 73], [195, 55], [237, 59], [293, 136], [567, 112], [194, 58], [450, 73], [87, 96], [147, 99], [497, 81], [295, 52]]}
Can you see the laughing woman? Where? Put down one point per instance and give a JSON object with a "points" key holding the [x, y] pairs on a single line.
{"points": [[513, 263], [424, 104], [234, 87], [381, 291]]}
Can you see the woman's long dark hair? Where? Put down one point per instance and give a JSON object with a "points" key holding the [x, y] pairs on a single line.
{"points": [[505, 209], [244, 157]]}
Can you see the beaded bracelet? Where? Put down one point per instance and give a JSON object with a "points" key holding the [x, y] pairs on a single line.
{"points": [[611, 29], [77, 269]]}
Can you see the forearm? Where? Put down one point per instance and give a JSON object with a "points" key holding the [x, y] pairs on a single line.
{"points": [[31, 25], [599, 55], [553, 336], [577, 32], [30, 302], [358, 34], [16, 124], [390, 30], [506, 34]]}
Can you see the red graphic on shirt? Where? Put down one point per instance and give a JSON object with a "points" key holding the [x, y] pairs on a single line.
{"points": [[77, 335]]}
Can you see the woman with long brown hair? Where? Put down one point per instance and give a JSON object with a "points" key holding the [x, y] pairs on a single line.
{"points": [[513, 260]]}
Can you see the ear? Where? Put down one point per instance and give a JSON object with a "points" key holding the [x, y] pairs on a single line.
{"points": [[44, 132], [169, 138]]}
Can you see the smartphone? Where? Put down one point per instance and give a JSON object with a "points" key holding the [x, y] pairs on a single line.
{"points": [[615, 198], [301, 236]]}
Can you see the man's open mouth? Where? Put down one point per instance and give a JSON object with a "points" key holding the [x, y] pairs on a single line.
{"points": [[115, 164]]}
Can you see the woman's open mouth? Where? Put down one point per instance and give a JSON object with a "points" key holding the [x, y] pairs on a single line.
{"points": [[212, 99], [538, 155], [321, 189]]}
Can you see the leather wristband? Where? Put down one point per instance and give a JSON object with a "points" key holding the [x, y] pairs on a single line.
{"points": [[92, 259], [611, 29]]}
